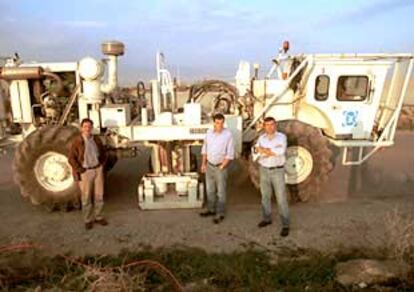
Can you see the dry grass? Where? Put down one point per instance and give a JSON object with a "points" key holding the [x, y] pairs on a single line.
{"points": [[399, 236], [117, 281], [250, 270], [25, 265]]}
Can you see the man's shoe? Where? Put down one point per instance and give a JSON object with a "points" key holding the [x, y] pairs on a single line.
{"points": [[218, 219], [264, 223], [284, 232], [207, 213], [88, 225], [102, 222]]}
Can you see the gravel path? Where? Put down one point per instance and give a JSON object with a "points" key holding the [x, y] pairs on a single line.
{"points": [[340, 221]]}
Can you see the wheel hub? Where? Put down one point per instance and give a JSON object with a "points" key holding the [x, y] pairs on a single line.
{"points": [[299, 164], [53, 172]]}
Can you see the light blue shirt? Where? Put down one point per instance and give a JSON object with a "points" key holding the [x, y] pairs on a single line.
{"points": [[218, 146], [90, 157], [277, 145]]}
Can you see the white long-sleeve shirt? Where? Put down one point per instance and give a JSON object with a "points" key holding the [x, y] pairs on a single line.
{"points": [[277, 145], [218, 146]]}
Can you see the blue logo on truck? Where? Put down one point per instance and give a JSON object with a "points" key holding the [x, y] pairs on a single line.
{"points": [[350, 118]]}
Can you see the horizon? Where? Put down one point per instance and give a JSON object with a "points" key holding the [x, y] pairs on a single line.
{"points": [[201, 39]]}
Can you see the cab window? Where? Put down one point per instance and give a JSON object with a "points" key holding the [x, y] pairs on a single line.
{"points": [[352, 88], [322, 87]]}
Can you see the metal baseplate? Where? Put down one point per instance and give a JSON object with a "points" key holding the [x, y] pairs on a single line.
{"points": [[170, 191]]}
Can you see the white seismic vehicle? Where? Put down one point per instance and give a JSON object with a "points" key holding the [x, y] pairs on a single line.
{"points": [[323, 103]]}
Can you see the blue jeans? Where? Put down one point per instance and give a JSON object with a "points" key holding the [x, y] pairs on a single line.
{"points": [[216, 183], [274, 179]]}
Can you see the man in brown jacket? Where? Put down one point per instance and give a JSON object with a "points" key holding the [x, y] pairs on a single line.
{"points": [[88, 157]]}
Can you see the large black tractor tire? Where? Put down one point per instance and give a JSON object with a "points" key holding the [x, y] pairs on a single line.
{"points": [[47, 149], [308, 163], [111, 161]]}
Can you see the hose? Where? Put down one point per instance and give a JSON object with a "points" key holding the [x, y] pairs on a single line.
{"points": [[226, 93], [59, 83]]}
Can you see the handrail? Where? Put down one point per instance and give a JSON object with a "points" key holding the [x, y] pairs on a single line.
{"points": [[276, 97]]}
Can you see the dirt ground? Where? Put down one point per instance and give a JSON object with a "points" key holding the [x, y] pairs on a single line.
{"points": [[341, 220]]}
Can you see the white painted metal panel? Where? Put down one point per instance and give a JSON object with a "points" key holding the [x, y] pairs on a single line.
{"points": [[20, 101], [354, 118], [115, 115]]}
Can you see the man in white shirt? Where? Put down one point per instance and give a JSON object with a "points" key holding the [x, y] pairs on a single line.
{"points": [[285, 62], [217, 152], [282, 63], [271, 147]]}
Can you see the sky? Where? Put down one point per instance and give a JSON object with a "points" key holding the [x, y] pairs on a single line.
{"points": [[201, 39]]}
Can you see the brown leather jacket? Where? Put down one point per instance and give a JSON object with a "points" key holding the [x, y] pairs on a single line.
{"points": [[76, 155]]}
